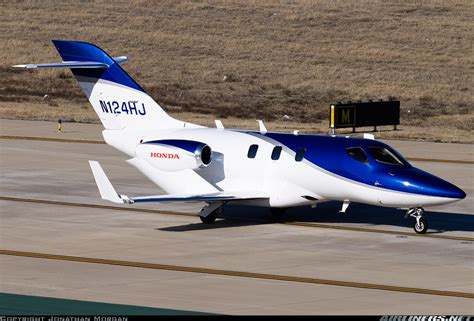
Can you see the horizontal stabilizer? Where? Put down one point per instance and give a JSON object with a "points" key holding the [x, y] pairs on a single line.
{"points": [[74, 64], [66, 64]]}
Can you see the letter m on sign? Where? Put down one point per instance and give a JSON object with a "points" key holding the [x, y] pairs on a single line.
{"points": [[345, 116]]}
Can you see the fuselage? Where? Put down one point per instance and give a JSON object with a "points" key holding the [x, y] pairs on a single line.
{"points": [[295, 169]]}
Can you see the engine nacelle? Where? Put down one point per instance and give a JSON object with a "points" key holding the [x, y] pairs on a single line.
{"points": [[173, 155]]}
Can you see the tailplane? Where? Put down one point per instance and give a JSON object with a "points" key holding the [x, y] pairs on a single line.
{"points": [[116, 98]]}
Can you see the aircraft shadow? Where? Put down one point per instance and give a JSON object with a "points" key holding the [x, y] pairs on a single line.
{"points": [[219, 223], [235, 216]]}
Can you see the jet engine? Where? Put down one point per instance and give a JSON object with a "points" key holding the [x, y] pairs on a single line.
{"points": [[173, 155]]}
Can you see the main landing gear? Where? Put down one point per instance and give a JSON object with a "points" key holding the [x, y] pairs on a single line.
{"points": [[211, 218], [421, 225], [209, 213]]}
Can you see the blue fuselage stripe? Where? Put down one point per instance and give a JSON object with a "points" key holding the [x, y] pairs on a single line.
{"points": [[187, 145], [329, 153]]}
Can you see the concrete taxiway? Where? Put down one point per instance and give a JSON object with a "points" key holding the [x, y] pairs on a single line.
{"points": [[247, 241]]}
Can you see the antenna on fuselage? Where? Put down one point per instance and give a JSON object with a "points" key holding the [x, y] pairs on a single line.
{"points": [[261, 125], [219, 124], [369, 136]]}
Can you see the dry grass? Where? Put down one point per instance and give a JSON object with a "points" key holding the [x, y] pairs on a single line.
{"points": [[289, 58]]}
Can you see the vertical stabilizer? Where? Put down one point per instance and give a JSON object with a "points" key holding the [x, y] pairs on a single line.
{"points": [[116, 98]]}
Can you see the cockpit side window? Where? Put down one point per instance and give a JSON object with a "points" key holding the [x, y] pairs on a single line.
{"points": [[385, 156], [357, 153]]}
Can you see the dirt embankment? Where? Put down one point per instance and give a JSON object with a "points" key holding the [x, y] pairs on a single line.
{"points": [[251, 60]]}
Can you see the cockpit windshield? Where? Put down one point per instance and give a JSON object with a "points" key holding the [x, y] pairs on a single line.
{"points": [[357, 153], [387, 156]]}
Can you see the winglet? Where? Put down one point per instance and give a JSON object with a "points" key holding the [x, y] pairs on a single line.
{"points": [[107, 191]]}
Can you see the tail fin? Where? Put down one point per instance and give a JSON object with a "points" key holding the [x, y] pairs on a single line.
{"points": [[116, 98]]}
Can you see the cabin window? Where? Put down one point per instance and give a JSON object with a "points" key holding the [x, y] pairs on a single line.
{"points": [[385, 156], [252, 151], [276, 152], [357, 153], [300, 154]]}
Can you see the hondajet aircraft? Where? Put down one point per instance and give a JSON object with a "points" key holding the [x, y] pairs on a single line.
{"points": [[216, 166]]}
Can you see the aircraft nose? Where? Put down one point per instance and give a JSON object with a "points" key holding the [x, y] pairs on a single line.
{"points": [[449, 190], [432, 185], [457, 193]]}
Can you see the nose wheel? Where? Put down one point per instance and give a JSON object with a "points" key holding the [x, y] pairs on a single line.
{"points": [[421, 225]]}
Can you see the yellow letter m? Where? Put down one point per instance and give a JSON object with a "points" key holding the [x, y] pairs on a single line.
{"points": [[346, 116]]}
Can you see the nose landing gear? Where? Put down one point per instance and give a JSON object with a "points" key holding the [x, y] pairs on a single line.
{"points": [[421, 225]]}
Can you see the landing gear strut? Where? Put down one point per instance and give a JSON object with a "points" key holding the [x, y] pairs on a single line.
{"points": [[421, 225]]}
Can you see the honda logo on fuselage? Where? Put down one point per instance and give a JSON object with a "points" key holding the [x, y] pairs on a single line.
{"points": [[164, 155]]}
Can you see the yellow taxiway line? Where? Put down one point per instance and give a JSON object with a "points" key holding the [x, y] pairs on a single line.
{"points": [[252, 275]]}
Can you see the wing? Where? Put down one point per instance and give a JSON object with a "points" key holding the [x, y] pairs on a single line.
{"points": [[213, 197], [107, 192]]}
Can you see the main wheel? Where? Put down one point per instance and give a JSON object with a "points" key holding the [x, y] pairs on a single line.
{"points": [[211, 218], [421, 226], [277, 211]]}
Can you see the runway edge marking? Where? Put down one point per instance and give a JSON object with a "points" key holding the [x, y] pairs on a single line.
{"points": [[252, 275], [85, 141], [300, 224]]}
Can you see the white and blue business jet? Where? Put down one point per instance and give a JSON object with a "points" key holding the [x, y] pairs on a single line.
{"points": [[219, 166]]}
